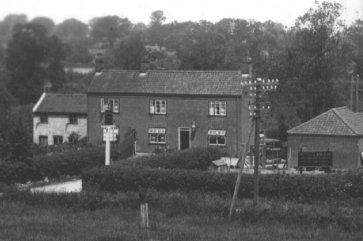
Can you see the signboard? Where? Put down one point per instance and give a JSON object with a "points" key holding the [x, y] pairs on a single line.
{"points": [[216, 133], [157, 131], [113, 134], [315, 159]]}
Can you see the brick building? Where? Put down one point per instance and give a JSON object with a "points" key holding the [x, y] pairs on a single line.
{"points": [[57, 116], [171, 109], [338, 130]]}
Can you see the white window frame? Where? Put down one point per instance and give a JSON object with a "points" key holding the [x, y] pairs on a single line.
{"points": [[115, 104], [155, 135], [217, 134], [157, 106], [217, 108]]}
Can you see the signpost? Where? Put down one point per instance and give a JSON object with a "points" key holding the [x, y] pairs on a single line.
{"points": [[315, 159]]}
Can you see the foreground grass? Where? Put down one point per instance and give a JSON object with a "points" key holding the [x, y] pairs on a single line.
{"points": [[20, 221]]}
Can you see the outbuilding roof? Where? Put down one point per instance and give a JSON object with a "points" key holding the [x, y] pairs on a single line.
{"points": [[335, 122], [224, 83], [61, 103]]}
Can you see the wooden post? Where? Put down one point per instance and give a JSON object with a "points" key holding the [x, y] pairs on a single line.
{"points": [[144, 214], [238, 181]]}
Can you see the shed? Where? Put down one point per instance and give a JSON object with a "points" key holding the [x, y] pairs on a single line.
{"points": [[338, 130]]}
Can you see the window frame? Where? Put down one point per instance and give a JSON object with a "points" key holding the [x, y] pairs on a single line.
{"points": [[219, 106], [115, 105], [218, 134], [45, 137], [43, 118], [57, 136], [158, 133], [73, 119], [153, 106]]}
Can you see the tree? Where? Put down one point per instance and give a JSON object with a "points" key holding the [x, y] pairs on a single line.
{"points": [[129, 52], [47, 23], [108, 29], [30, 57], [8, 24], [71, 31]]}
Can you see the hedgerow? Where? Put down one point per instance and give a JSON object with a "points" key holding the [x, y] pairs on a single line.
{"points": [[195, 158], [302, 188], [70, 163]]}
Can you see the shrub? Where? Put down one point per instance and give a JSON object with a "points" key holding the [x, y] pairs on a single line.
{"points": [[298, 187], [71, 162], [196, 158], [18, 172]]}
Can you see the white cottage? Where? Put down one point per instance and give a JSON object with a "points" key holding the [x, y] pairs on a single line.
{"points": [[59, 118]]}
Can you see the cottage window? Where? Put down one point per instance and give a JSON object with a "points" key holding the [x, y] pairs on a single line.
{"points": [[43, 140], [73, 119], [158, 107], [217, 137], [57, 140], [157, 136], [107, 103], [44, 118], [217, 108]]}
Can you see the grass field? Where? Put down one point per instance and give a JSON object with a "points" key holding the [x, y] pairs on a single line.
{"points": [[21, 221]]}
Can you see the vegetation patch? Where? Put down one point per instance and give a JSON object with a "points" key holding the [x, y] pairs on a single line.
{"points": [[302, 188], [195, 158]]}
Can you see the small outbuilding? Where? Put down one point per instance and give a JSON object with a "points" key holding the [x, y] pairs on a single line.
{"points": [[339, 131]]}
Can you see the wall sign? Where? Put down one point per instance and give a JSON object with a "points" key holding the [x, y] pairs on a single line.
{"points": [[216, 133], [315, 159]]}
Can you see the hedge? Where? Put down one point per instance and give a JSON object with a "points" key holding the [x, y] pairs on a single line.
{"points": [[304, 188], [195, 158], [71, 163]]}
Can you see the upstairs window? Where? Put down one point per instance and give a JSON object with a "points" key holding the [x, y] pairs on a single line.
{"points": [[158, 107], [43, 118], [157, 136], [107, 103], [73, 119], [217, 108], [217, 137]]}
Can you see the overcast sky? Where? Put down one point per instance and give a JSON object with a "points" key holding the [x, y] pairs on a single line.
{"points": [[283, 11]]}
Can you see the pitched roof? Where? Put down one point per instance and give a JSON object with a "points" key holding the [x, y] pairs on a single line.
{"points": [[61, 103], [168, 82], [335, 122]]}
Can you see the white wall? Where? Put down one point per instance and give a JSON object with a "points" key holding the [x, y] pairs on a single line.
{"points": [[58, 125]]}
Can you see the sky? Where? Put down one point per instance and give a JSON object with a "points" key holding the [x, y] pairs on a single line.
{"points": [[283, 11]]}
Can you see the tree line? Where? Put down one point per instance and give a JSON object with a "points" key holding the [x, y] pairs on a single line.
{"points": [[313, 60]]}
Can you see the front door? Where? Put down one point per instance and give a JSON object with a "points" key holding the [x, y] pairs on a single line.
{"points": [[184, 138]]}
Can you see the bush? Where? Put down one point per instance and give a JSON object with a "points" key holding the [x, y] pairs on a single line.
{"points": [[71, 162], [18, 172], [299, 187], [196, 158]]}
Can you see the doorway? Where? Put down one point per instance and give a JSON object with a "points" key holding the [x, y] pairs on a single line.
{"points": [[184, 138]]}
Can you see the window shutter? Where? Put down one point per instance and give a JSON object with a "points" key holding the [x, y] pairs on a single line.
{"points": [[102, 104]]}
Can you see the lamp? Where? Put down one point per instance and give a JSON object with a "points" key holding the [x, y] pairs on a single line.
{"points": [[194, 127]]}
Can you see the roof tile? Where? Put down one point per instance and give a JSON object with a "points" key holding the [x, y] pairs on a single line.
{"points": [[168, 82], [63, 103]]}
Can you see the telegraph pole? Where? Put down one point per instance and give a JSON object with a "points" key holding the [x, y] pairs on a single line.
{"points": [[357, 93], [257, 119], [351, 93]]}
